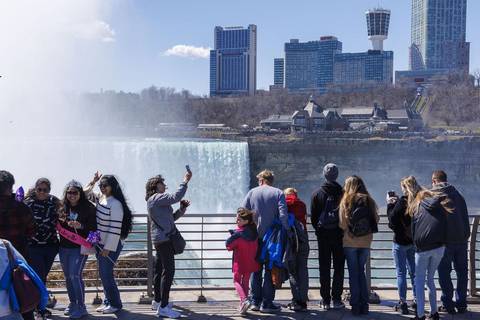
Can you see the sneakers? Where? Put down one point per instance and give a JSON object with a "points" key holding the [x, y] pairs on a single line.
{"points": [[78, 313], [270, 308], [168, 313], [434, 316], [254, 307], [445, 309], [419, 318], [325, 305], [297, 306], [337, 304], [244, 305], [462, 310], [156, 305], [110, 310], [402, 307], [101, 308]]}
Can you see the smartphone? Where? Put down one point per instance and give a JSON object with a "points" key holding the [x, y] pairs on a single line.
{"points": [[391, 193], [188, 168]]}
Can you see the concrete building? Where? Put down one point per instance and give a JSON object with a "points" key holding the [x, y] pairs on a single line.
{"points": [[309, 65], [378, 21], [233, 61], [438, 35], [423, 78]]}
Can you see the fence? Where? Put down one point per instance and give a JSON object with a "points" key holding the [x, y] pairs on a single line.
{"points": [[206, 265]]}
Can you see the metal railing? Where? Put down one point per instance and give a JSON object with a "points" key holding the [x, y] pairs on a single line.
{"points": [[206, 264]]}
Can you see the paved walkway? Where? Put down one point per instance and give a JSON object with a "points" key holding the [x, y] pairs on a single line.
{"points": [[222, 305]]}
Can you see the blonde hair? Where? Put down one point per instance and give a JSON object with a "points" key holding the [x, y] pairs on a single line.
{"points": [[266, 175], [446, 203], [412, 188], [288, 191], [353, 186]]}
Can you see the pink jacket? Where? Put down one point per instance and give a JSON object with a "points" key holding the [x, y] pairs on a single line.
{"points": [[244, 244]]}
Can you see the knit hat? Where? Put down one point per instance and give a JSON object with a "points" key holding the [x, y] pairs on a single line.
{"points": [[330, 171]]}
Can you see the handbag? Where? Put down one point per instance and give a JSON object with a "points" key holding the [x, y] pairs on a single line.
{"points": [[28, 294], [175, 237]]}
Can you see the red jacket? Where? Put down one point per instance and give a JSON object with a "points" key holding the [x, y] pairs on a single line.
{"points": [[244, 244], [298, 208]]}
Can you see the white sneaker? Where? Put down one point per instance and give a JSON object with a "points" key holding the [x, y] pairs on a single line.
{"points": [[101, 308], [156, 305], [109, 310], [168, 313]]}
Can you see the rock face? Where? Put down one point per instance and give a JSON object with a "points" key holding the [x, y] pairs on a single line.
{"points": [[298, 162]]}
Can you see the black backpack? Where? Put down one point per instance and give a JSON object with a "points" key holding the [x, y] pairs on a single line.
{"points": [[328, 219], [360, 222]]}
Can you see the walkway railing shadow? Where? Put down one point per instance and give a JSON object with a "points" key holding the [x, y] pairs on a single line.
{"points": [[206, 265]]}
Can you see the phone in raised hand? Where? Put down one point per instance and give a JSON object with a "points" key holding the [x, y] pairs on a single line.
{"points": [[188, 168]]}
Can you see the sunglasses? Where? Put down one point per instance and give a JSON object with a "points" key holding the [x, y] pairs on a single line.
{"points": [[44, 190], [73, 193], [103, 185]]}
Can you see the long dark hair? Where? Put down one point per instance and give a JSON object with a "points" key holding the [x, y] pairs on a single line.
{"points": [[151, 186], [117, 193], [82, 202]]}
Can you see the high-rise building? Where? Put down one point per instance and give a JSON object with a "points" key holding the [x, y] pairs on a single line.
{"points": [[233, 61], [309, 65], [438, 35], [378, 21], [278, 72], [363, 70]]}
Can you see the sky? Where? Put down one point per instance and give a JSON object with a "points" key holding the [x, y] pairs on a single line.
{"points": [[89, 45]]}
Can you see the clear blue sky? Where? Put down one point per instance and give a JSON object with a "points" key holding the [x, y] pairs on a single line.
{"points": [[145, 29]]}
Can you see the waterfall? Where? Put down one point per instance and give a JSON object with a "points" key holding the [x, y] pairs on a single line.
{"points": [[220, 168]]}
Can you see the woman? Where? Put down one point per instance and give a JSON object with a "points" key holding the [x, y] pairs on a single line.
{"points": [[160, 211], [429, 215], [403, 251], [114, 221], [358, 219], [78, 216], [43, 246]]}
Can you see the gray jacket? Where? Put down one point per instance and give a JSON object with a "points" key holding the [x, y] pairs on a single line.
{"points": [[268, 203], [161, 213]]}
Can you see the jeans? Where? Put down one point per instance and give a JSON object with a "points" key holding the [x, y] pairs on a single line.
{"points": [[356, 261], [72, 265], [41, 259], [13, 316], [164, 272], [105, 266], [404, 257], [328, 249], [456, 254], [299, 278], [240, 281], [426, 263], [263, 291]]}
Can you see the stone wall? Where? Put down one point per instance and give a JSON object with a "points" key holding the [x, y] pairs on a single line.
{"points": [[298, 162]]}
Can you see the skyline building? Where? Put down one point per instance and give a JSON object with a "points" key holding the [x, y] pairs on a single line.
{"points": [[438, 35], [309, 65], [233, 61], [378, 22], [278, 72]]}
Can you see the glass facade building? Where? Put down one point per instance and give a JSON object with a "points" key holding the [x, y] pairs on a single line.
{"points": [[438, 35], [363, 69], [309, 65], [278, 72], [233, 61]]}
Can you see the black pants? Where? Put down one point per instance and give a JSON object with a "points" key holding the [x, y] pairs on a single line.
{"points": [[164, 272], [328, 248]]}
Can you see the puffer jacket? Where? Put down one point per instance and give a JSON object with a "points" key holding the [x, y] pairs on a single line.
{"points": [[244, 244]]}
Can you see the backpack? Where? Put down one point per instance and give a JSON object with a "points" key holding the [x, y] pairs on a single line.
{"points": [[360, 222], [328, 219]]}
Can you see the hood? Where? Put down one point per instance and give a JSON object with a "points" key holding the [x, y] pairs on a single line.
{"points": [[445, 188], [431, 203], [249, 232], [332, 187], [291, 199]]}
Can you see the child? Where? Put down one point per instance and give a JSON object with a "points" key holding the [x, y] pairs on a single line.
{"points": [[244, 244]]}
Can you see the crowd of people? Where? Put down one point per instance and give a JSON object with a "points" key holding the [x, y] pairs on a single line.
{"points": [[270, 244]]}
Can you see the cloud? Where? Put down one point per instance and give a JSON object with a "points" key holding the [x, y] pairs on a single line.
{"points": [[186, 51], [96, 30]]}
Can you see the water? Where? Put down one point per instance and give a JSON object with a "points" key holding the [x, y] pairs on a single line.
{"points": [[220, 168]]}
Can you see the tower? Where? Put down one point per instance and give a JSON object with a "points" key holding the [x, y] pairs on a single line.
{"points": [[378, 21]]}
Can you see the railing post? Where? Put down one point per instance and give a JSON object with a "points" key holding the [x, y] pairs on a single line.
{"points": [[201, 297], [472, 257], [373, 297], [150, 263], [97, 300]]}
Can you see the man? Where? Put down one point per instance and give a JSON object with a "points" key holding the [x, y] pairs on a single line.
{"points": [[324, 216], [458, 232], [268, 203], [16, 220]]}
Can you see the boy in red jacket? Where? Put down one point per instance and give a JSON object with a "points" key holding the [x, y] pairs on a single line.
{"points": [[244, 244], [296, 206]]}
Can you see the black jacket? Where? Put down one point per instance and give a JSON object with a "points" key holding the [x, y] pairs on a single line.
{"points": [[87, 216], [400, 222], [317, 203], [458, 224], [429, 225]]}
